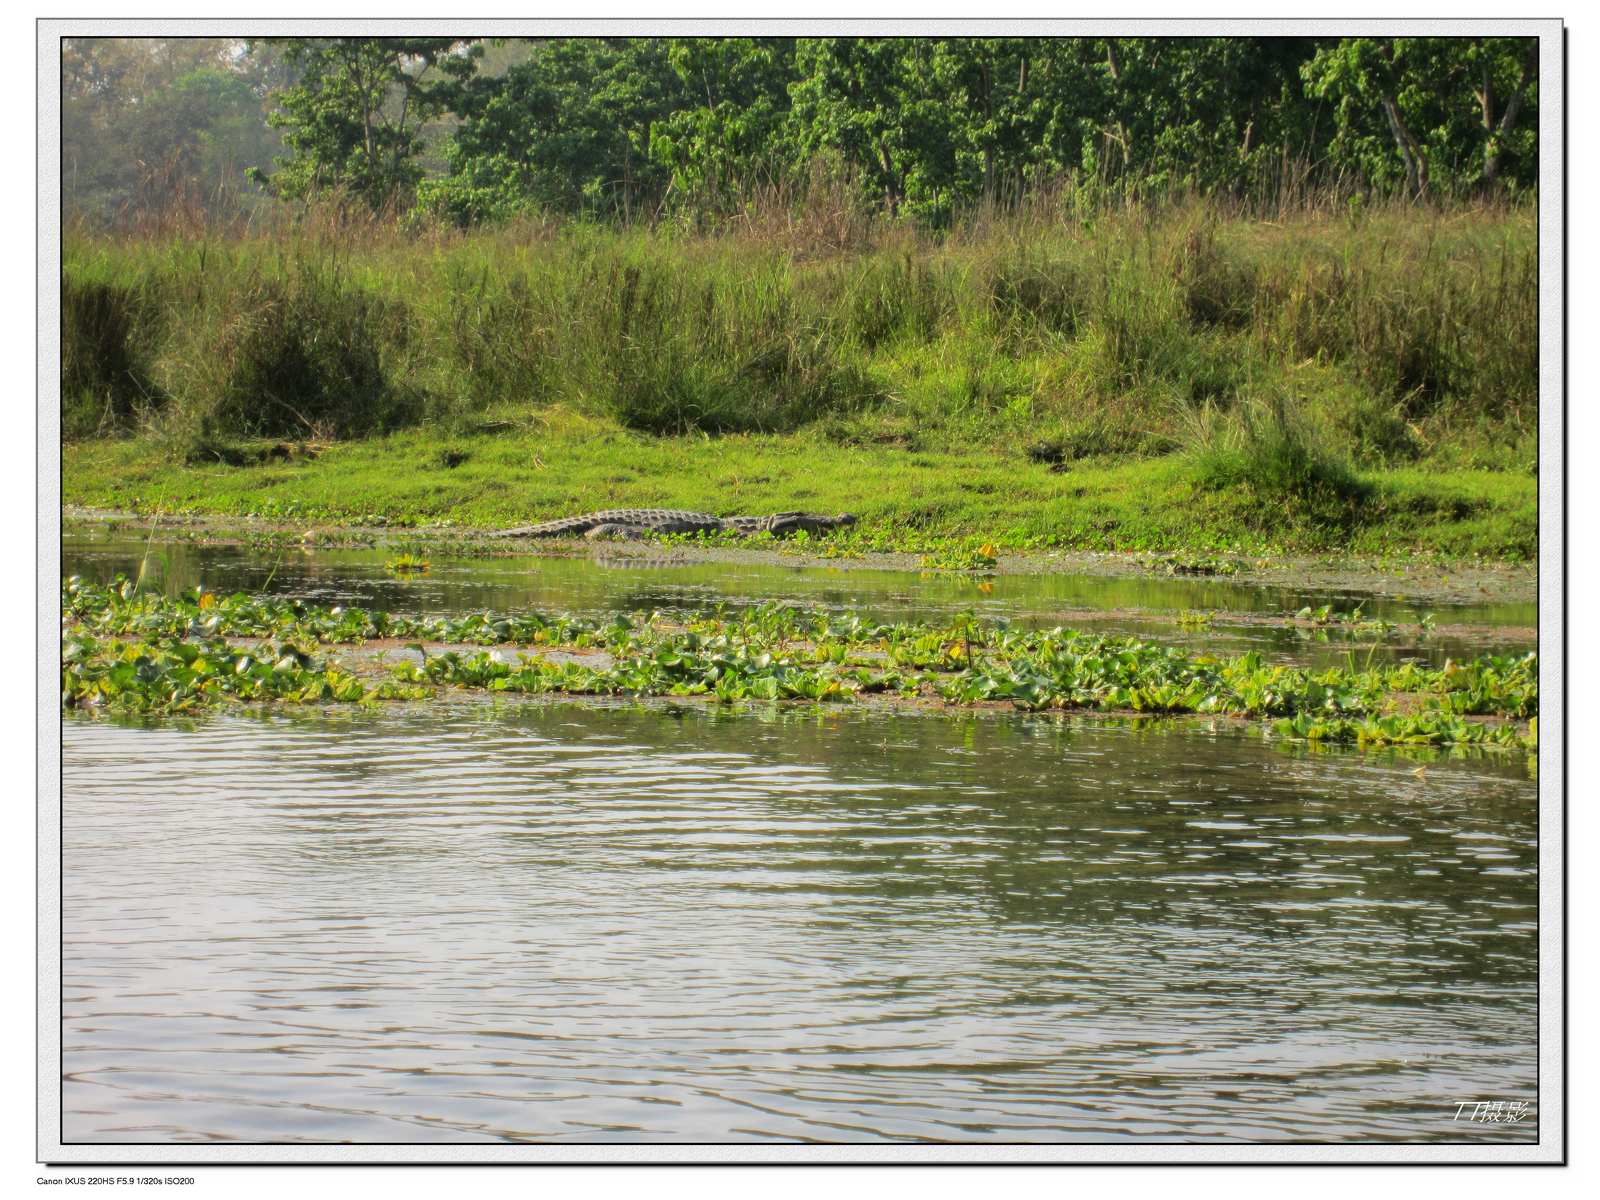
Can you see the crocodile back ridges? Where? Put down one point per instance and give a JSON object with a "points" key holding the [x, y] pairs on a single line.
{"points": [[677, 520], [660, 520]]}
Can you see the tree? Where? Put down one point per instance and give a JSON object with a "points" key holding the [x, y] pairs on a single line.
{"points": [[354, 118], [618, 127], [118, 132], [884, 106], [1454, 111], [568, 128], [735, 127]]}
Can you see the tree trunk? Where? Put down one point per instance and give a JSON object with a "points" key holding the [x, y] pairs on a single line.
{"points": [[1114, 66], [890, 189], [1496, 131], [988, 137], [1411, 155]]}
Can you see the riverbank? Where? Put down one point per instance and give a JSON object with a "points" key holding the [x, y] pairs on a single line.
{"points": [[1173, 378], [1412, 579], [944, 503]]}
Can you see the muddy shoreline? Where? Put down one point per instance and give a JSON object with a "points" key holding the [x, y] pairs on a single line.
{"points": [[1416, 580]]}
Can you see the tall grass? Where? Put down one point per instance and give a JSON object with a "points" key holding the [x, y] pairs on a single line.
{"points": [[1269, 447], [1395, 333], [105, 379]]}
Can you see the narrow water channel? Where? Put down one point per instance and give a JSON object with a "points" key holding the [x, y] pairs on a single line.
{"points": [[1147, 607]]}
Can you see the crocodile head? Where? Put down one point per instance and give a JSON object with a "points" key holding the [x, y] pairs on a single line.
{"points": [[785, 523]]}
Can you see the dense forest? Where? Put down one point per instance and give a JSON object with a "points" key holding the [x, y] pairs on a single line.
{"points": [[692, 129]]}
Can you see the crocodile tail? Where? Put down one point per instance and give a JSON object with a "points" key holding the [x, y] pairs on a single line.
{"points": [[565, 527]]}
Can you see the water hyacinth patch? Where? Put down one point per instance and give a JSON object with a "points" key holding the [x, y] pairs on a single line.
{"points": [[1423, 729], [174, 675], [405, 564], [179, 651], [1203, 565], [122, 609]]}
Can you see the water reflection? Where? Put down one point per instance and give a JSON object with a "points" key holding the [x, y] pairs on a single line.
{"points": [[1138, 606], [597, 922]]}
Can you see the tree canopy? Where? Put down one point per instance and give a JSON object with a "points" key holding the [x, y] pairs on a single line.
{"points": [[618, 128]]}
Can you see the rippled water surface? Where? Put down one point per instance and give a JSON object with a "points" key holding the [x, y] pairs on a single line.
{"points": [[477, 921], [580, 922]]}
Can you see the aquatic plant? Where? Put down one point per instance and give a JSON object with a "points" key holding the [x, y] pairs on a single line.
{"points": [[1193, 564], [406, 563], [1423, 729], [770, 652], [963, 558], [171, 674]]}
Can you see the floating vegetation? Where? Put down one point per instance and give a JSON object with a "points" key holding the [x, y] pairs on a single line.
{"points": [[1423, 729], [171, 674], [1193, 564], [963, 558], [1327, 618], [131, 649], [121, 609], [406, 564]]}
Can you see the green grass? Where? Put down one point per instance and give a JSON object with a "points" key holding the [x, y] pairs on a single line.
{"points": [[1400, 332], [1166, 378], [918, 501]]}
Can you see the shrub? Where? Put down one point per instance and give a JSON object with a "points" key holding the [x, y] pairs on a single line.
{"points": [[295, 357], [104, 382], [1263, 447], [1033, 294]]}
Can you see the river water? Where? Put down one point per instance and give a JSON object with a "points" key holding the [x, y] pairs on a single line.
{"points": [[579, 922], [1141, 606]]}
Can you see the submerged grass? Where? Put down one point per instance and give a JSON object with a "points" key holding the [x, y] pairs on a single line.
{"points": [[127, 649]]}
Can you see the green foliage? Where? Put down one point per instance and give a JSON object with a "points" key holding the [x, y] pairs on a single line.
{"points": [[1444, 115], [181, 659], [353, 118], [569, 128], [1015, 375], [703, 131], [1423, 729], [1206, 565], [290, 357], [153, 125], [969, 557], [406, 564], [933, 127], [884, 106], [730, 125], [1267, 448]]}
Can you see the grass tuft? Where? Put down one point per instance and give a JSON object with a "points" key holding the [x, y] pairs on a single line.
{"points": [[1266, 448]]}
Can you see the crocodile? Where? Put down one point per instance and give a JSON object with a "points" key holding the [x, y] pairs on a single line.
{"points": [[637, 522]]}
